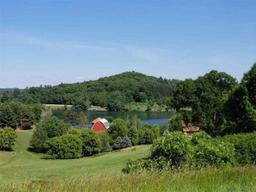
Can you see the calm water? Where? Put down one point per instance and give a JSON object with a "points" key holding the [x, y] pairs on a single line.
{"points": [[152, 118]]}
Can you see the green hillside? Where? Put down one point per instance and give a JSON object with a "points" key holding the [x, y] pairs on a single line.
{"points": [[113, 92]]}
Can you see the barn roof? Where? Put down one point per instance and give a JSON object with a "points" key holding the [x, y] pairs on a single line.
{"points": [[103, 121]]}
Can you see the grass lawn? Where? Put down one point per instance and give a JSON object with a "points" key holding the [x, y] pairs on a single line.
{"points": [[23, 166], [23, 171]]}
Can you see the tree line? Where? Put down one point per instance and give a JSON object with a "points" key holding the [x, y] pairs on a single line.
{"points": [[112, 92]]}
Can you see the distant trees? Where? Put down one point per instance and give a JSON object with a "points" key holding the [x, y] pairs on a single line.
{"points": [[17, 115], [110, 92]]}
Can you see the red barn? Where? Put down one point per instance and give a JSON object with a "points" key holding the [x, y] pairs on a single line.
{"points": [[100, 125]]}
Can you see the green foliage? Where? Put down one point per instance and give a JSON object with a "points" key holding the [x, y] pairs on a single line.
{"points": [[175, 122], [105, 142], [175, 147], [147, 135], [64, 147], [7, 139], [245, 147], [91, 143], [18, 115], [206, 97], [199, 137], [133, 134], [118, 128], [122, 142], [112, 92], [213, 153], [48, 128]]}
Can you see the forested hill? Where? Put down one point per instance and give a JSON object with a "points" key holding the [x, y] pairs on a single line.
{"points": [[113, 92]]}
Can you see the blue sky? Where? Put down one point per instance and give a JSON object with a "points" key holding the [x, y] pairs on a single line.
{"points": [[54, 41]]}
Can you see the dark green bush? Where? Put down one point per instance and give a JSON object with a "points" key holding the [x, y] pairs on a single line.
{"points": [[64, 147], [175, 147], [213, 153], [7, 139], [91, 143], [245, 147], [122, 142], [48, 128]]}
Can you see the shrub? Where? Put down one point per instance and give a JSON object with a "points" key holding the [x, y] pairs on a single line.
{"points": [[105, 142], [175, 147], [91, 143], [118, 128], [200, 136], [213, 153], [48, 128], [122, 142], [133, 134], [146, 135], [245, 147], [64, 147], [7, 139]]}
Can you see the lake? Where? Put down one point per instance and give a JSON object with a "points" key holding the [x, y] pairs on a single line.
{"points": [[151, 118]]}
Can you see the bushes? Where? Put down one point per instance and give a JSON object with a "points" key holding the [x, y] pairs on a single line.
{"points": [[64, 147], [213, 153], [7, 139], [175, 147], [245, 147], [46, 129], [122, 142], [177, 150], [91, 143]]}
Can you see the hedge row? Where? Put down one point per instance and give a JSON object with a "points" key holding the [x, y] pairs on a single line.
{"points": [[176, 150]]}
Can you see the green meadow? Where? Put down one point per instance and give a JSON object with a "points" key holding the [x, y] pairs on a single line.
{"points": [[24, 171]]}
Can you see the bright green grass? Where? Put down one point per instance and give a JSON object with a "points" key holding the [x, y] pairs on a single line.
{"points": [[23, 166], [22, 171]]}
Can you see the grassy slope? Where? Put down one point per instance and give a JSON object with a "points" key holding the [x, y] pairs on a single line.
{"points": [[22, 166], [103, 173]]}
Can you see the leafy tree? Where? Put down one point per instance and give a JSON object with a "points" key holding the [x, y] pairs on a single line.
{"points": [[91, 143], [48, 128], [118, 128], [7, 139]]}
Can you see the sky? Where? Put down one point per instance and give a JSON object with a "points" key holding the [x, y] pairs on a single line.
{"points": [[64, 41]]}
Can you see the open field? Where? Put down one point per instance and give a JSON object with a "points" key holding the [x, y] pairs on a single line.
{"points": [[25, 171], [23, 166]]}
